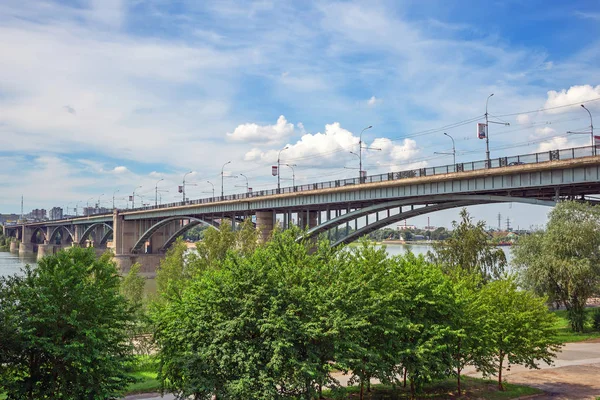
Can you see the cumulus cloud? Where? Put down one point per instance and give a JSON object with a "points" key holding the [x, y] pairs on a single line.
{"points": [[120, 170], [373, 101], [332, 148], [545, 131], [523, 119], [270, 134], [575, 94], [553, 144]]}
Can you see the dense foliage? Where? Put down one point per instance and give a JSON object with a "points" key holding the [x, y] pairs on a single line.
{"points": [[468, 251], [563, 261], [63, 329], [274, 321]]}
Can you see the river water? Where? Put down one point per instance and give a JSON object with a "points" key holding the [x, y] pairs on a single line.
{"points": [[11, 263]]}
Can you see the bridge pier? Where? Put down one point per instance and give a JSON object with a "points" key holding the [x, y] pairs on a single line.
{"points": [[265, 221], [149, 263], [45, 250], [27, 248], [14, 246]]}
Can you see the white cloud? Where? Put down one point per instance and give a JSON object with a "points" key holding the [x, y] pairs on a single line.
{"points": [[270, 134], [332, 149], [573, 95], [120, 170], [373, 101], [553, 144], [523, 119], [545, 131]]}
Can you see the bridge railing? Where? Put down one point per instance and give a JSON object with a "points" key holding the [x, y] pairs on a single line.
{"points": [[532, 158]]}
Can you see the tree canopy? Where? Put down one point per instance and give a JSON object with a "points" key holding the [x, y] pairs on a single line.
{"points": [[563, 261]]}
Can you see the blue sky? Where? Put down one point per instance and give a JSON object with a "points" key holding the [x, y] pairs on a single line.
{"points": [[105, 95]]}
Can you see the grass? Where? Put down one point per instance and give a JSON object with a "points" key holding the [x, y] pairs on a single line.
{"points": [[564, 330], [473, 388], [144, 372]]}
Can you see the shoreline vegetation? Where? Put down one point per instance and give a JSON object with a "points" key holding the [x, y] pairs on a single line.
{"points": [[241, 318]]}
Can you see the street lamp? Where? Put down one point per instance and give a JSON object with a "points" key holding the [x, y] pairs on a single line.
{"points": [[293, 173], [115, 192], [360, 152], [156, 192], [591, 128], [213, 188], [98, 203], [87, 211], [76, 208], [453, 149], [279, 167], [487, 132], [183, 185], [222, 168], [246, 182], [133, 197]]}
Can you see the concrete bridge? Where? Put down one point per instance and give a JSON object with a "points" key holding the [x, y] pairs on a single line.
{"points": [[144, 234]]}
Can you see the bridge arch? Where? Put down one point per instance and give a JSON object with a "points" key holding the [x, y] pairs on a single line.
{"points": [[107, 235], [148, 234], [431, 204], [56, 230], [89, 230], [34, 233]]}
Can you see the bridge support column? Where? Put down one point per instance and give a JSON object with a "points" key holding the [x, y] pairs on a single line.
{"points": [[44, 250], [308, 219], [27, 248], [265, 221], [14, 246]]}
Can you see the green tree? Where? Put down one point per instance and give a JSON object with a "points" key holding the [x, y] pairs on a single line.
{"points": [[173, 273], [563, 261], [64, 329], [252, 327], [519, 328], [468, 250]]}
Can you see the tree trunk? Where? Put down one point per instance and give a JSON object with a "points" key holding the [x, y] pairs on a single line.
{"points": [[404, 377], [458, 381], [362, 385], [500, 387], [369, 386], [412, 389], [320, 391]]}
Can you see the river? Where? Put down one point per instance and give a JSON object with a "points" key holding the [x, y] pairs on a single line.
{"points": [[11, 263]]}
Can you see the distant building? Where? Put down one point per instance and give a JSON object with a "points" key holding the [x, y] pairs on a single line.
{"points": [[94, 210], [9, 218], [56, 213], [406, 227], [38, 214]]}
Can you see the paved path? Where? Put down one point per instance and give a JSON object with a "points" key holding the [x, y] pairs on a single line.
{"points": [[574, 375]]}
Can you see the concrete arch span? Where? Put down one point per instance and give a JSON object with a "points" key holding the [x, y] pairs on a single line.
{"points": [[478, 199], [148, 234], [90, 229], [34, 235], [58, 229]]}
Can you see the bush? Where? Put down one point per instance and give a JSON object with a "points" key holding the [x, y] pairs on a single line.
{"points": [[596, 320], [63, 329]]}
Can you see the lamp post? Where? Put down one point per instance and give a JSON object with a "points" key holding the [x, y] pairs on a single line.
{"points": [[87, 206], [293, 173], [133, 197], [222, 169], [453, 149], [360, 152], [76, 208], [213, 188], [98, 203], [246, 181], [115, 192], [487, 132], [156, 192], [279, 167], [183, 185], [591, 128]]}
